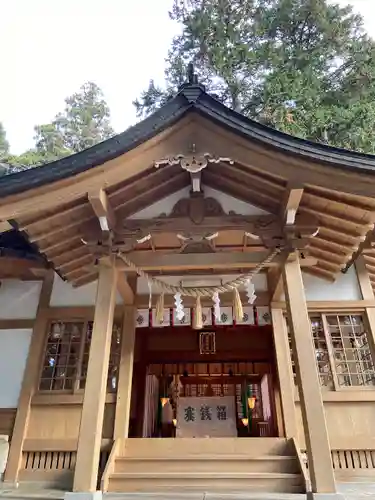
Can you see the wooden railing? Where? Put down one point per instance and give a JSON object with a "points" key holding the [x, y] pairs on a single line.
{"points": [[301, 462], [110, 466]]}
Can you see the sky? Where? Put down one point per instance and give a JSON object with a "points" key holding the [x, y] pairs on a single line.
{"points": [[49, 48]]}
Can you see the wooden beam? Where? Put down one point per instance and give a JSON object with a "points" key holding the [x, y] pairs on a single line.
{"points": [[102, 209], [222, 260], [30, 381], [334, 306], [11, 267], [290, 204], [16, 324], [275, 283], [246, 223]]}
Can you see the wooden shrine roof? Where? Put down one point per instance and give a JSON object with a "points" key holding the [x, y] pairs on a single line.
{"points": [[51, 205]]}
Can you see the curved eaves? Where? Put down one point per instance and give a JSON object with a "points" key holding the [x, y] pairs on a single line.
{"points": [[105, 151], [212, 109]]}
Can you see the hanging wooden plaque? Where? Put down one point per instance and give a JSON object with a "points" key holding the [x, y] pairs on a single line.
{"points": [[207, 343]]}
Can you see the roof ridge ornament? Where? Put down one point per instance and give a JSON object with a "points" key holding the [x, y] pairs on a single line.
{"points": [[192, 78], [191, 88]]}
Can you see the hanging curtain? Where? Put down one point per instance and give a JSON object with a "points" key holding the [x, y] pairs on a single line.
{"points": [[150, 405], [266, 401]]}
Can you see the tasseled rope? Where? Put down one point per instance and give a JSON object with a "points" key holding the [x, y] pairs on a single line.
{"points": [[199, 291], [237, 306], [198, 316]]}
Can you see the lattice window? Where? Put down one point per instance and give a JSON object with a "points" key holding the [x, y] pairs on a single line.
{"points": [[351, 352], [321, 352], [343, 355], [67, 354]]}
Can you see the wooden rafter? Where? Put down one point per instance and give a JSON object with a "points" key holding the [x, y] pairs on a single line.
{"points": [[153, 194], [5, 226], [49, 218], [241, 192], [290, 204], [102, 209]]}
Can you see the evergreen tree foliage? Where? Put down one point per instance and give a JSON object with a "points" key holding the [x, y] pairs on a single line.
{"points": [[305, 67], [4, 144], [84, 123]]}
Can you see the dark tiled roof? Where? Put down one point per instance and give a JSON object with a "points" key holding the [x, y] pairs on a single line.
{"points": [[13, 243], [192, 97]]}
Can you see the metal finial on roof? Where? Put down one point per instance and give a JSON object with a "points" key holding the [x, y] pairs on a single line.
{"points": [[191, 76]]}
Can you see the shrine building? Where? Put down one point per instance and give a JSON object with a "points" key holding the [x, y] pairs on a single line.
{"points": [[189, 306]]}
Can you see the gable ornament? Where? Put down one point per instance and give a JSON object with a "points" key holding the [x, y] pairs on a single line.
{"points": [[192, 162]]}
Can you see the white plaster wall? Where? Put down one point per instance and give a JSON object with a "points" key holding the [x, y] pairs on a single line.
{"points": [[19, 299], [65, 295], [232, 204], [14, 348], [163, 206], [344, 288]]}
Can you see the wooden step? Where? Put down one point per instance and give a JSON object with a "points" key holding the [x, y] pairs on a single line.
{"points": [[170, 447], [206, 481], [209, 463]]}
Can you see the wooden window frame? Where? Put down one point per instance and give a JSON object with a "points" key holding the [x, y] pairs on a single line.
{"points": [[76, 390], [330, 350]]}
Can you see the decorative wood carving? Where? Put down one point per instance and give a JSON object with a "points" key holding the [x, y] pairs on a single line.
{"points": [[197, 208], [192, 162]]}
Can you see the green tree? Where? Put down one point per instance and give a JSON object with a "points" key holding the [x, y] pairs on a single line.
{"points": [[305, 67], [84, 123], [4, 144]]}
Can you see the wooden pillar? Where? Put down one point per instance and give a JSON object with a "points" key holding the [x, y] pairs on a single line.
{"points": [[30, 380], [124, 388], [367, 294], [315, 428], [284, 370], [90, 432]]}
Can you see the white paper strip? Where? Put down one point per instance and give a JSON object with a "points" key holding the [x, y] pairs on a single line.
{"points": [[206, 316], [166, 319], [186, 320], [248, 316], [142, 319], [226, 317], [264, 316]]}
